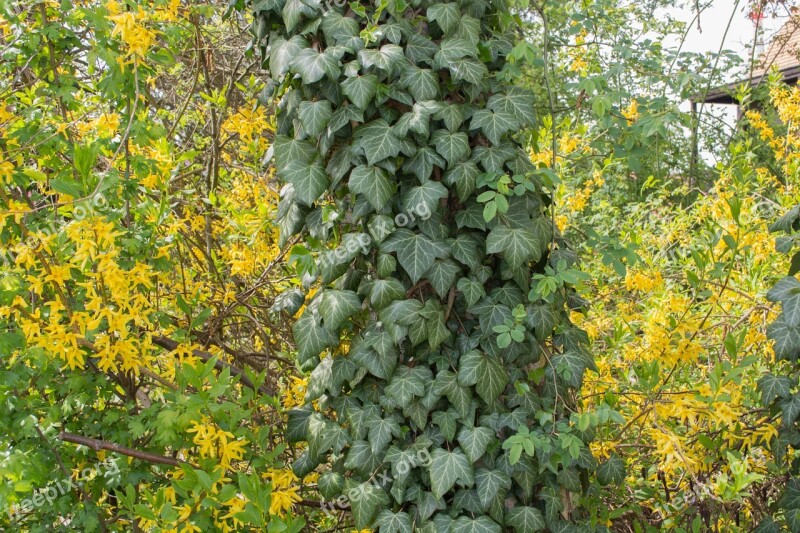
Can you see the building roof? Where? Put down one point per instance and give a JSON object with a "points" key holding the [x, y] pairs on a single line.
{"points": [[783, 50], [783, 53]]}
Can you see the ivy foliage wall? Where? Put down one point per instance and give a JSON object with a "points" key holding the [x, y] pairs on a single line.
{"points": [[443, 362]]}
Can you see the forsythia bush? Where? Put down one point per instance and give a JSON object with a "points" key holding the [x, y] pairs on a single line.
{"points": [[679, 326], [141, 358]]}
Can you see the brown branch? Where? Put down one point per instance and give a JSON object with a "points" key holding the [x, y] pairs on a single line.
{"points": [[97, 445], [420, 284], [450, 299]]}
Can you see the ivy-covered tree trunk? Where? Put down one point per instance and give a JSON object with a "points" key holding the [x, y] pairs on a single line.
{"points": [[443, 363]]}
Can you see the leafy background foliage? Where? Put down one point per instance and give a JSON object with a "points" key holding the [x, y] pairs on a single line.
{"points": [[202, 271]]}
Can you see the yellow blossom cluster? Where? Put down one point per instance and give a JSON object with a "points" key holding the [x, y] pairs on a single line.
{"points": [[643, 282], [576, 201], [284, 491], [105, 126], [131, 28], [250, 123], [128, 269], [212, 441], [631, 113], [579, 55], [108, 326], [294, 395]]}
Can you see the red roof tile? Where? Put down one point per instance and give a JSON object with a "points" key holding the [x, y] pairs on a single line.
{"points": [[783, 50]]}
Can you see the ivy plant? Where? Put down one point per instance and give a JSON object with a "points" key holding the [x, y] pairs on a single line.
{"points": [[779, 390], [390, 115]]}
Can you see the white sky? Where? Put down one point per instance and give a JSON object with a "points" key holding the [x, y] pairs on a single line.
{"points": [[711, 34], [713, 22]]}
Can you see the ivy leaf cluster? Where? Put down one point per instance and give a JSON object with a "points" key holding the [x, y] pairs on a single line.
{"points": [[779, 392], [387, 114]]}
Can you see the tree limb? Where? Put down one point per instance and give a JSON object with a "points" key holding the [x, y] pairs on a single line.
{"points": [[97, 444]]}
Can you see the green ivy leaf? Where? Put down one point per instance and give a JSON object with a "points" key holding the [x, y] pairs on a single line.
{"points": [[453, 49], [472, 290], [311, 338], [493, 124], [424, 198], [791, 311], [384, 59], [790, 409], [422, 162], [365, 500], [447, 468], [570, 365], [373, 183], [337, 306], [361, 89], [338, 28], [442, 276], [517, 102], [379, 362], [474, 441], [786, 287], [447, 422], [406, 383], [313, 66], [421, 83], [525, 519], [415, 252], [330, 484], [390, 522], [378, 141], [282, 54], [772, 387], [314, 116], [490, 484], [518, 245], [309, 180], [791, 496], [452, 115], [288, 150], [464, 176], [482, 524], [787, 339], [469, 70], [383, 292], [381, 431], [485, 372], [611, 471], [420, 48], [294, 11], [454, 147], [468, 250], [446, 16]]}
